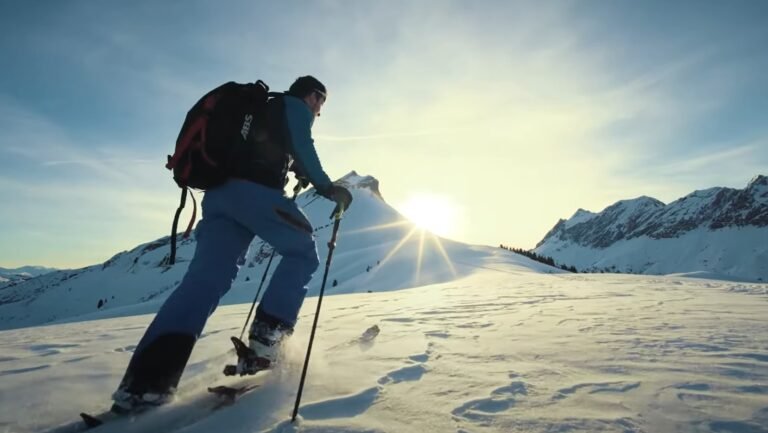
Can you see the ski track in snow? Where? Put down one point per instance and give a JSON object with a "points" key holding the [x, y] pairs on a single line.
{"points": [[486, 353]]}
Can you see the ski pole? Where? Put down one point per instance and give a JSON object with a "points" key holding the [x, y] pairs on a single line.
{"points": [[296, 191], [331, 247], [263, 277]]}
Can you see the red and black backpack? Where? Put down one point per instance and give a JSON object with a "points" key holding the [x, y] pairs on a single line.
{"points": [[218, 124]]}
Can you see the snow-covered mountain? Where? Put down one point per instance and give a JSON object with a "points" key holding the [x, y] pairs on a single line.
{"points": [[377, 250], [714, 232], [23, 273]]}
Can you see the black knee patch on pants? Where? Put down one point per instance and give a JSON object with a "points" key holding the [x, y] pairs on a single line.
{"points": [[158, 368]]}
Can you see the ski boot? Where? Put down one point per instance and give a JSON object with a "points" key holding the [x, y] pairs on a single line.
{"points": [[125, 402], [263, 348], [248, 362]]}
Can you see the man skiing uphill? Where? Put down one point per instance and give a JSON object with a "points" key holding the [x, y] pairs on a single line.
{"points": [[250, 203]]}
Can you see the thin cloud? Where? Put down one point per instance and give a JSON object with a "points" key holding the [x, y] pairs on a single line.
{"points": [[732, 165], [737, 155], [39, 140], [383, 136], [95, 162]]}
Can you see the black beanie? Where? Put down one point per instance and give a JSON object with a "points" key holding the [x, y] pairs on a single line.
{"points": [[304, 86]]}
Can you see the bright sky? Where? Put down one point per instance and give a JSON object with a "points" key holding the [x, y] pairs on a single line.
{"points": [[514, 114]]}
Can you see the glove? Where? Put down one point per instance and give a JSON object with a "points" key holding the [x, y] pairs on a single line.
{"points": [[343, 199]]}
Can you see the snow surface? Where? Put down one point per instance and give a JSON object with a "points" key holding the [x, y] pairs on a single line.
{"points": [[503, 349]]}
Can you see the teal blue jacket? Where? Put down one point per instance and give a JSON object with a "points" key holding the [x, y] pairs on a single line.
{"points": [[300, 145]]}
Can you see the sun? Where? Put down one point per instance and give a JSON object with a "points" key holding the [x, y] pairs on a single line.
{"points": [[432, 213]]}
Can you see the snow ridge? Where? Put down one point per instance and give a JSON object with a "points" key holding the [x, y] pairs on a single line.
{"points": [[718, 230]]}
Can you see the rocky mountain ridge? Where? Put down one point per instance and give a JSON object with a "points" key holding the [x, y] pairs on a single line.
{"points": [[711, 209], [717, 232]]}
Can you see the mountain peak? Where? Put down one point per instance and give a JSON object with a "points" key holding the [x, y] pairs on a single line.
{"points": [[354, 180], [758, 189], [580, 216], [758, 180], [642, 201], [581, 212]]}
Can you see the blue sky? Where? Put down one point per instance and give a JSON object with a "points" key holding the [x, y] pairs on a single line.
{"points": [[517, 113]]}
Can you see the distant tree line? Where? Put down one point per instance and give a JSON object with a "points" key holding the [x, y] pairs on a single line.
{"points": [[539, 258]]}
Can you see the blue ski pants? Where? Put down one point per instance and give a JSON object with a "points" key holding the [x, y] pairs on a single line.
{"points": [[232, 215]]}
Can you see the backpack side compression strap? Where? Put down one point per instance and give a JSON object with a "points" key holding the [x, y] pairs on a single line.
{"points": [[182, 202], [194, 214], [174, 229]]}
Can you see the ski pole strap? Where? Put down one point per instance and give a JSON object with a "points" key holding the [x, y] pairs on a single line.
{"points": [[337, 214], [332, 243], [175, 225]]}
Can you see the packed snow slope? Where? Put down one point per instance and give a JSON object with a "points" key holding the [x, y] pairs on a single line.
{"points": [[503, 349], [716, 233], [377, 250]]}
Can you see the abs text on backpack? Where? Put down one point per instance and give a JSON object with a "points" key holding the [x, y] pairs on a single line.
{"points": [[218, 124]]}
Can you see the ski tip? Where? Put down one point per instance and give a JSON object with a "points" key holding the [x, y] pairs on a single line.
{"points": [[231, 393], [225, 391], [90, 420]]}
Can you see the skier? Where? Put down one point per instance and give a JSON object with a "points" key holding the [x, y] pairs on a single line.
{"points": [[251, 203]]}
